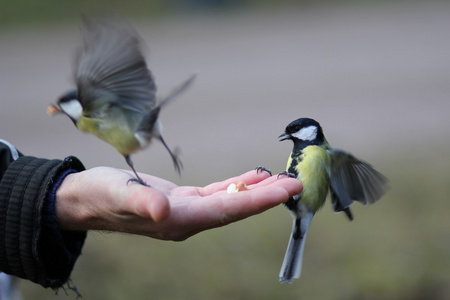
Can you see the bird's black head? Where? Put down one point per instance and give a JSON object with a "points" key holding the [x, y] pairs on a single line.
{"points": [[304, 131], [70, 105]]}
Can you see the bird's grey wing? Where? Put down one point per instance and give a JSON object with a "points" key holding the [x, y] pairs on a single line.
{"points": [[111, 67], [353, 180]]}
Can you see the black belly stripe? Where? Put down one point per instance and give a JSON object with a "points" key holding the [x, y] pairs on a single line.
{"points": [[291, 204], [296, 159]]}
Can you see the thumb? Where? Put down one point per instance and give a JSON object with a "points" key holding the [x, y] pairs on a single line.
{"points": [[148, 203]]}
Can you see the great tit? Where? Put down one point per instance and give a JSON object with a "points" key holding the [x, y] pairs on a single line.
{"points": [[321, 168], [115, 98]]}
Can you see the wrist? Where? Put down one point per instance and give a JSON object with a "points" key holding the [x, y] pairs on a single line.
{"points": [[68, 208]]}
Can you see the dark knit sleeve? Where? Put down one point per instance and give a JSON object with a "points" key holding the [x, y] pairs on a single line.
{"points": [[32, 246]]}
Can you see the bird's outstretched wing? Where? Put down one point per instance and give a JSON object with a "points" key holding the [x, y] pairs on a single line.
{"points": [[110, 67], [353, 180]]}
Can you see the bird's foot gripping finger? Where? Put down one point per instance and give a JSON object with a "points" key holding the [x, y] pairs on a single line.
{"points": [[263, 169], [286, 173], [138, 180]]}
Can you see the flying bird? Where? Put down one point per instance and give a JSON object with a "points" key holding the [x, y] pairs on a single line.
{"points": [[115, 94]]}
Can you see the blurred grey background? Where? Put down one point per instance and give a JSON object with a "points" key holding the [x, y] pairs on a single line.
{"points": [[375, 74]]}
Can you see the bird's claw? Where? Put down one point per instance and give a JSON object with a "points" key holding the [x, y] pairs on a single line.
{"points": [[176, 160], [263, 169], [174, 155], [286, 173], [138, 180]]}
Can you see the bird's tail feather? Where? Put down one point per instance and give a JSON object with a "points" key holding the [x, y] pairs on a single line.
{"points": [[292, 263], [176, 92]]}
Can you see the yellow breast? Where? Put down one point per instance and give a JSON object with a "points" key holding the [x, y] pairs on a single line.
{"points": [[119, 136], [311, 167]]}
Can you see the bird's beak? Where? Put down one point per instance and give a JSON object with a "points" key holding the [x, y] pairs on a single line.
{"points": [[53, 109], [284, 136]]}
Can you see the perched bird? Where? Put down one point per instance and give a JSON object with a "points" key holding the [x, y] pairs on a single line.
{"points": [[115, 95], [321, 168]]}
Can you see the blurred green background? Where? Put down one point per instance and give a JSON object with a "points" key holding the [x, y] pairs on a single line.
{"points": [[376, 74]]}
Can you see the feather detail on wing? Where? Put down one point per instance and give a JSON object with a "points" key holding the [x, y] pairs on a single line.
{"points": [[111, 65], [353, 180]]}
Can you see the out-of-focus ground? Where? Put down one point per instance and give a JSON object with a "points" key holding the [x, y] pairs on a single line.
{"points": [[377, 77]]}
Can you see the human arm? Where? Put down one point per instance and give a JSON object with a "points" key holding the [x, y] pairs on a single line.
{"points": [[47, 206]]}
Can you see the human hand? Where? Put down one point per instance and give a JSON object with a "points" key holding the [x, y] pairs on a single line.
{"points": [[101, 199]]}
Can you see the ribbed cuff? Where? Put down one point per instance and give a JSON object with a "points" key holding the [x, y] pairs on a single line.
{"points": [[59, 249], [34, 248]]}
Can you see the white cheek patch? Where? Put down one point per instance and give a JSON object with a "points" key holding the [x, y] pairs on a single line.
{"points": [[72, 108], [306, 133]]}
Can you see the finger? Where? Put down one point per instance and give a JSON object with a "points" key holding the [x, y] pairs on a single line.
{"points": [[147, 203], [250, 177], [292, 185], [238, 206], [266, 181], [221, 209], [277, 191]]}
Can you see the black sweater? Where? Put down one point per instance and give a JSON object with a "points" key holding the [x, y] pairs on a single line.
{"points": [[31, 244]]}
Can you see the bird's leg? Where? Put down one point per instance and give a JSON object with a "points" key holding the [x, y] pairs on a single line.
{"points": [[176, 161], [137, 179], [262, 169]]}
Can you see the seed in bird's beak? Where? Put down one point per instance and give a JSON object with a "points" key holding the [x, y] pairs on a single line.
{"points": [[52, 109]]}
